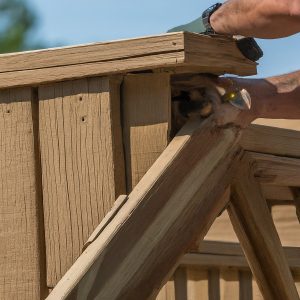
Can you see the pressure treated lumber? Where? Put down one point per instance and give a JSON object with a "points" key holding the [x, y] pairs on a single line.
{"points": [[255, 229], [175, 50], [276, 170], [82, 164], [271, 140], [146, 115], [230, 255], [177, 195], [22, 252]]}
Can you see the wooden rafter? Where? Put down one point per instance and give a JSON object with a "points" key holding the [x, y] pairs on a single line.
{"points": [[255, 229], [174, 204]]}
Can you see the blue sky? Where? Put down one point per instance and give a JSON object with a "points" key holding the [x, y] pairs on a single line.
{"points": [[67, 22]]}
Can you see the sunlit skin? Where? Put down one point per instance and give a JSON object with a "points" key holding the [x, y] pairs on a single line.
{"points": [[276, 97]]}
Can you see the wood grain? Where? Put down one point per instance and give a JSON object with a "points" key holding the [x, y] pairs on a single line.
{"points": [[154, 215], [165, 51], [276, 170], [271, 140], [255, 229], [146, 122], [22, 253], [82, 164]]}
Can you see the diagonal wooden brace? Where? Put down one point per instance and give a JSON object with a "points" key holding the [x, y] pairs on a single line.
{"points": [[173, 205], [255, 229]]}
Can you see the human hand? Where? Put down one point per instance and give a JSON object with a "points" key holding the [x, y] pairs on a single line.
{"points": [[215, 88]]}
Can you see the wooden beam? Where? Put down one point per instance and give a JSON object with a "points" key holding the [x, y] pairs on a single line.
{"points": [[82, 164], [173, 205], [172, 50], [255, 229], [230, 255], [271, 140], [276, 170]]}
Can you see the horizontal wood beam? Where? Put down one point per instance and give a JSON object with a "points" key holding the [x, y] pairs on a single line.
{"points": [[166, 51], [228, 255], [253, 224], [276, 170], [172, 206], [271, 140]]}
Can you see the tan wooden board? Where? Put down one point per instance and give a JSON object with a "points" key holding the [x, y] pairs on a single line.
{"points": [[165, 51], [272, 140], [82, 164], [22, 252], [276, 170], [146, 115]]}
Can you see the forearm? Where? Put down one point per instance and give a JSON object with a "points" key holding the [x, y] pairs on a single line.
{"points": [[258, 18], [276, 97]]}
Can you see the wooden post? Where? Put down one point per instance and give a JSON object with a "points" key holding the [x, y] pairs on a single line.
{"points": [[255, 229], [174, 204]]}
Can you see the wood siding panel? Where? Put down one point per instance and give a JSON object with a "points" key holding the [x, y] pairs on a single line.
{"points": [[82, 164], [22, 272], [147, 121]]}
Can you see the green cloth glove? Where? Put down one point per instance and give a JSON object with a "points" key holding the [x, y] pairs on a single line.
{"points": [[195, 26]]}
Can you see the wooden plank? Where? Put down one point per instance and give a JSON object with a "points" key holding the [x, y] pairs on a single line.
{"points": [[271, 140], [229, 285], [230, 256], [255, 229], [212, 51], [146, 122], [178, 194], [82, 164], [277, 193], [22, 251], [197, 283], [165, 51], [92, 53], [276, 170], [245, 285]]}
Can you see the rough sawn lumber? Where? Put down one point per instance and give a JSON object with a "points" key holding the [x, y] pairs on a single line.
{"points": [[176, 50], [173, 205]]}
